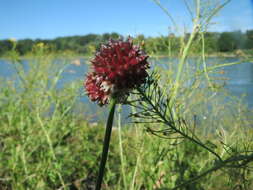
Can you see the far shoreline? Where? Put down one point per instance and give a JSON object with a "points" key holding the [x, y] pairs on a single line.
{"points": [[74, 57]]}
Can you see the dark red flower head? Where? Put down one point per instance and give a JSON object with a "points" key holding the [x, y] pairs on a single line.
{"points": [[118, 67]]}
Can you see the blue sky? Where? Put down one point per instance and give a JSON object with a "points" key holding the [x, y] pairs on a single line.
{"points": [[48, 19]]}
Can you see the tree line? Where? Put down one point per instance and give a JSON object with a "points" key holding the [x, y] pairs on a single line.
{"points": [[214, 42]]}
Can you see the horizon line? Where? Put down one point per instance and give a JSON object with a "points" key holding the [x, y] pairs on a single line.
{"points": [[126, 35]]}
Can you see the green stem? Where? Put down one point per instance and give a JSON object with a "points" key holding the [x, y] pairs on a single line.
{"points": [[106, 144], [245, 159], [192, 180], [174, 127], [121, 150]]}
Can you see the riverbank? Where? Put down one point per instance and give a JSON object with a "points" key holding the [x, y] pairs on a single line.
{"points": [[76, 56], [48, 142], [234, 54]]}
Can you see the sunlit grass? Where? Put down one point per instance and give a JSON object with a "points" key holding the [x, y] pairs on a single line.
{"points": [[46, 143]]}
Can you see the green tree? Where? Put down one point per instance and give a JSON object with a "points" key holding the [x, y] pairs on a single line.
{"points": [[227, 42], [249, 39], [5, 46], [24, 46]]}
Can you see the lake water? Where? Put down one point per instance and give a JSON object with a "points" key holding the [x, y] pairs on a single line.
{"points": [[238, 77], [239, 83]]}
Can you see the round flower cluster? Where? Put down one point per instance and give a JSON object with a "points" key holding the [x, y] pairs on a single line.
{"points": [[118, 68]]}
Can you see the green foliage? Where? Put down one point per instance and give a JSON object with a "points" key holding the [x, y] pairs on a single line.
{"points": [[227, 42], [249, 42], [5, 46], [163, 45], [24, 46], [77, 44], [45, 144]]}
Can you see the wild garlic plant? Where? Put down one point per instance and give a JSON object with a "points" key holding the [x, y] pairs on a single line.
{"points": [[153, 107], [119, 69], [161, 105]]}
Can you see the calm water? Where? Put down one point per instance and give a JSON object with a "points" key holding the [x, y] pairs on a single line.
{"points": [[238, 78], [239, 83]]}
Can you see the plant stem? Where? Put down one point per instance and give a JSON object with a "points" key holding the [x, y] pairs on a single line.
{"points": [[172, 126], [121, 149], [245, 159], [106, 144]]}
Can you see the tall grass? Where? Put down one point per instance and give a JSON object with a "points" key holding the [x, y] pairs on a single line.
{"points": [[46, 144]]}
